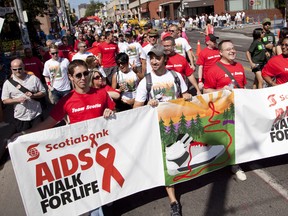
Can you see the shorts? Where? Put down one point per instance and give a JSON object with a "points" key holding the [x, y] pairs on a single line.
{"points": [[258, 68]]}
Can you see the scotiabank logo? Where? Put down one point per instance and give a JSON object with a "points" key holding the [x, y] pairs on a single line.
{"points": [[33, 152]]}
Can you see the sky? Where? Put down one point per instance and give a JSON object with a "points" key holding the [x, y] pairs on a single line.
{"points": [[75, 3]]}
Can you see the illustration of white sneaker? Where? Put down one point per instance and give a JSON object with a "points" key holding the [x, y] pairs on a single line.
{"points": [[177, 155]]}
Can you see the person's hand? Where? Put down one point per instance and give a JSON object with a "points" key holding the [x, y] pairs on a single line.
{"points": [[200, 85], [267, 54], [153, 103], [192, 66], [107, 113], [21, 100], [269, 46], [198, 92], [253, 65], [133, 66], [227, 87], [50, 88], [28, 94], [187, 97]]}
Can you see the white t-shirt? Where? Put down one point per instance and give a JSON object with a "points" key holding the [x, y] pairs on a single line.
{"points": [[58, 72], [131, 81], [163, 87], [147, 49], [182, 46], [122, 46], [81, 56], [135, 52]]}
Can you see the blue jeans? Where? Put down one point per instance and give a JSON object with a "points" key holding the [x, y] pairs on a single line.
{"points": [[97, 212], [59, 94]]}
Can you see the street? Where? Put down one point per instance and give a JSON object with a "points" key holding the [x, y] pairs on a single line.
{"points": [[264, 193]]}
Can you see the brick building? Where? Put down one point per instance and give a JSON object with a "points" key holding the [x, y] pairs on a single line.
{"points": [[171, 8]]}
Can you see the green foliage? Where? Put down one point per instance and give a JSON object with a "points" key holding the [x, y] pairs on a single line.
{"points": [[172, 132], [93, 7], [183, 125]]}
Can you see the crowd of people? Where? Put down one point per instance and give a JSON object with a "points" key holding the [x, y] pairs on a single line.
{"points": [[121, 68]]}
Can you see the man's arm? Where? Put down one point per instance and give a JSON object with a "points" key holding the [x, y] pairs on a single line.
{"points": [[200, 77], [191, 57], [208, 90], [193, 81]]}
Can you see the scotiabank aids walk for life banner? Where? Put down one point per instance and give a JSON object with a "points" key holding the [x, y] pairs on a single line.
{"points": [[73, 169]]}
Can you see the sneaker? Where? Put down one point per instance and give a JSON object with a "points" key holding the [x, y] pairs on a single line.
{"points": [[240, 174], [175, 209], [178, 157]]}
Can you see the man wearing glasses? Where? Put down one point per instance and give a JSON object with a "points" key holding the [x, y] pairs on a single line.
{"points": [[82, 54], [269, 37], [80, 39], [55, 73], [27, 110]]}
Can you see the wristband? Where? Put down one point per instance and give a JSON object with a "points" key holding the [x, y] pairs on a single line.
{"points": [[199, 80], [48, 83]]}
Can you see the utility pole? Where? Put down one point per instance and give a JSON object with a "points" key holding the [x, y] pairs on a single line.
{"points": [[139, 10], [24, 31]]}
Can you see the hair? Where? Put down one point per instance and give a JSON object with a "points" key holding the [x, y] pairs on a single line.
{"points": [[53, 46], [122, 58], [64, 38], [283, 34], [173, 25], [75, 63], [107, 34], [221, 43], [257, 33], [90, 60], [81, 43], [91, 75], [169, 38]]}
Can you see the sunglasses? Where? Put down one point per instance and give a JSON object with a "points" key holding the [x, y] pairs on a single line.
{"points": [[172, 30], [80, 75], [267, 24], [84, 46], [17, 69], [97, 77], [55, 53], [286, 45]]}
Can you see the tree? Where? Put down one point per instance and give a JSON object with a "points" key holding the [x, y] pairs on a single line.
{"points": [[93, 7], [183, 125], [172, 131]]}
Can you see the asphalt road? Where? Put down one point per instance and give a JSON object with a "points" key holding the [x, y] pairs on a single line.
{"points": [[264, 193]]}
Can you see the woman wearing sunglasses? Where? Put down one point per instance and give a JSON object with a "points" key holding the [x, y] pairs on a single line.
{"points": [[96, 80]]}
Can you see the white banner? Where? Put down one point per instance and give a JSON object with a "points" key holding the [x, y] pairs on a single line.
{"points": [[261, 128], [73, 169]]}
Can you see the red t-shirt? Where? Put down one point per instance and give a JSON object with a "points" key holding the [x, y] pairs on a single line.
{"points": [[35, 65], [81, 107], [208, 57], [95, 44], [108, 53], [277, 67], [65, 50], [216, 78], [179, 64]]}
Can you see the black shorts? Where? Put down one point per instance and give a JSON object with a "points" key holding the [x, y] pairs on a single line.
{"points": [[258, 68]]}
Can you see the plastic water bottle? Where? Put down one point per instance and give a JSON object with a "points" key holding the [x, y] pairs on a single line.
{"points": [[232, 84]]}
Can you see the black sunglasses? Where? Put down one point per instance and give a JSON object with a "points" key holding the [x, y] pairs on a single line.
{"points": [[97, 77], [54, 53], [79, 75], [286, 45], [171, 30], [17, 69], [267, 24]]}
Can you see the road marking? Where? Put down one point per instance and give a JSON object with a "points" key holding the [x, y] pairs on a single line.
{"points": [[266, 177]]}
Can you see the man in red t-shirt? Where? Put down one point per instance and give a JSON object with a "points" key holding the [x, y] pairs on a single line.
{"points": [[80, 39], [216, 79], [65, 47], [107, 56], [277, 67], [207, 58], [82, 103], [178, 63], [33, 64]]}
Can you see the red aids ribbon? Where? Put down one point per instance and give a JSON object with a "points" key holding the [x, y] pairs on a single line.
{"points": [[109, 169], [92, 137]]}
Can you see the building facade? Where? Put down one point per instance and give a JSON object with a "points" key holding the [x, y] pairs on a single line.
{"points": [[174, 9]]}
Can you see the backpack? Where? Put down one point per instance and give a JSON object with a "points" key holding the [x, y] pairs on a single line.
{"points": [[149, 84]]}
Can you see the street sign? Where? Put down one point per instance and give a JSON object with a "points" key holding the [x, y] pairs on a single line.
{"points": [[251, 2]]}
